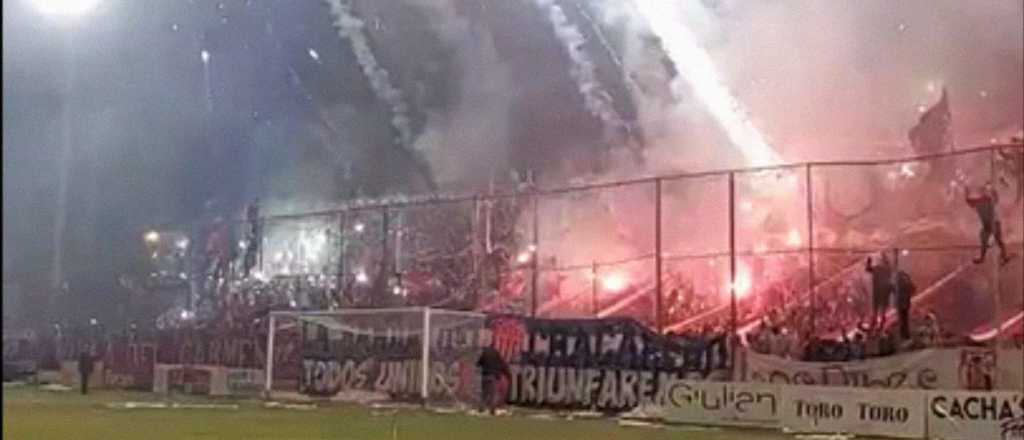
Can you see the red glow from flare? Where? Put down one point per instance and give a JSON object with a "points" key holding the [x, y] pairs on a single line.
{"points": [[614, 282], [743, 283], [793, 239]]}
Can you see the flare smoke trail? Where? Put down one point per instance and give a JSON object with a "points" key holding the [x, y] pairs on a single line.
{"points": [[600, 35], [698, 71], [596, 99], [350, 27]]}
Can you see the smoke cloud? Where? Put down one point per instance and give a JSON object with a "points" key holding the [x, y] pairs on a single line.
{"points": [[468, 141], [351, 28], [827, 82], [596, 99]]}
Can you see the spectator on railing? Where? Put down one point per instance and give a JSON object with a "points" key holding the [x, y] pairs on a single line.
{"points": [[905, 289], [881, 289]]}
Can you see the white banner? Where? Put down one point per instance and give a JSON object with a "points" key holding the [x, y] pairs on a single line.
{"points": [[966, 415], [207, 379], [240, 382], [891, 413], [724, 404], [1010, 365], [968, 368]]}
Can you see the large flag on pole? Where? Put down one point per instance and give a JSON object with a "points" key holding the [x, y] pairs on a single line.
{"points": [[933, 132]]}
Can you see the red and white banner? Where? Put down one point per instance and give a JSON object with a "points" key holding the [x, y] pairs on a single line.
{"points": [[952, 369]]}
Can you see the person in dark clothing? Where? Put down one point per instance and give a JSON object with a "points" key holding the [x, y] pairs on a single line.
{"points": [[85, 364], [985, 205], [881, 289], [905, 289], [492, 369], [253, 236]]}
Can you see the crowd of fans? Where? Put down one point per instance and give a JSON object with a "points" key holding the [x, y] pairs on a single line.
{"points": [[790, 337]]}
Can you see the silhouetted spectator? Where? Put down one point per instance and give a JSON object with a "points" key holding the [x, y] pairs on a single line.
{"points": [[85, 365], [881, 289], [905, 289], [492, 369], [985, 205]]}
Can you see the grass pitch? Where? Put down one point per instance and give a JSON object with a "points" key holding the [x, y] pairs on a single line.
{"points": [[31, 414]]}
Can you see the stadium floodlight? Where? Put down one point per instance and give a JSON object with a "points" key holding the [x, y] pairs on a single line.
{"points": [[65, 8]]}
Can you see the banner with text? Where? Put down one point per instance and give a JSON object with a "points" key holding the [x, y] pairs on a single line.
{"points": [[966, 415], [379, 356], [965, 368], [613, 364], [897, 413], [725, 404]]}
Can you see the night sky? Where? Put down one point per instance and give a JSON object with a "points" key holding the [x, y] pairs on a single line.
{"points": [[160, 145]]}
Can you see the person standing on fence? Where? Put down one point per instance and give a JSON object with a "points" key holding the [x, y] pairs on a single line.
{"points": [[492, 369], [881, 289], [85, 365], [985, 205], [905, 289]]}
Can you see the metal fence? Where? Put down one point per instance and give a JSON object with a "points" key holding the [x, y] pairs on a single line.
{"points": [[684, 251]]}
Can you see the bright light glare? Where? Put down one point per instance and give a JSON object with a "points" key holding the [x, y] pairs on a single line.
{"points": [[793, 239], [65, 7], [361, 277], [152, 237], [742, 283], [523, 257], [359, 227], [614, 282]]}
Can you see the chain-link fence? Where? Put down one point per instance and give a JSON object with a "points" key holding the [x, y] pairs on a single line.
{"points": [[787, 245]]}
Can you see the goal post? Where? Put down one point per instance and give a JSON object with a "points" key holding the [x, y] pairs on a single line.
{"points": [[408, 354]]}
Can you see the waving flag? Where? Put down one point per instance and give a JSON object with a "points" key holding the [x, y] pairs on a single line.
{"points": [[933, 132]]}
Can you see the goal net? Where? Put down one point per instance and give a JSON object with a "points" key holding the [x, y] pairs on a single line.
{"points": [[411, 355]]}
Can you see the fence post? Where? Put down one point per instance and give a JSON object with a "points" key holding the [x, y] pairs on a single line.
{"points": [[593, 287], [196, 276], [996, 263], [732, 252], [425, 370], [475, 250], [1020, 186], [535, 256], [269, 367], [658, 316], [810, 250], [342, 245], [385, 266]]}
